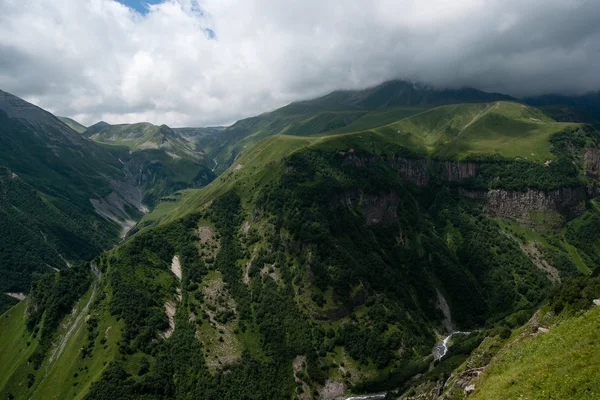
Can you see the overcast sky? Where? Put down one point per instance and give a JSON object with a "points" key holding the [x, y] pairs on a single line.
{"points": [[207, 62]]}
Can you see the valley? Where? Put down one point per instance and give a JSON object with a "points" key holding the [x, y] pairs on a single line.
{"points": [[394, 242]]}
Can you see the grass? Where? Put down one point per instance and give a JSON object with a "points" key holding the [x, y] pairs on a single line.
{"points": [[560, 364], [14, 350], [514, 228], [258, 166], [453, 132], [69, 376]]}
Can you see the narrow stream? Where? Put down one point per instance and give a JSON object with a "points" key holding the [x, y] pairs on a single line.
{"points": [[367, 396], [441, 348]]}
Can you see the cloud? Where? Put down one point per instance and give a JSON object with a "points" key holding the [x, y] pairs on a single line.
{"points": [[192, 62]]}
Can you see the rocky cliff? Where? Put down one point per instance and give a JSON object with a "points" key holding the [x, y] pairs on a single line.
{"points": [[419, 171], [527, 207], [530, 206]]}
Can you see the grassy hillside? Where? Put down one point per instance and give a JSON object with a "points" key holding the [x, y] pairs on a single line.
{"points": [[511, 130], [144, 136], [452, 132], [71, 123], [49, 177], [560, 364], [313, 267], [340, 111]]}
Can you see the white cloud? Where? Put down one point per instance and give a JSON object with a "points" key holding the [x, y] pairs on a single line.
{"points": [[98, 59]]}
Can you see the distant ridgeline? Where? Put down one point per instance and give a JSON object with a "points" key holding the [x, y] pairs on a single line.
{"points": [[64, 198], [345, 237]]}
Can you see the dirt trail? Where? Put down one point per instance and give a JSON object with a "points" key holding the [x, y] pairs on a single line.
{"points": [[487, 109], [58, 350]]}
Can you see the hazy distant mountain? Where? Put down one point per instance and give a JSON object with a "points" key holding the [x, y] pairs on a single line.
{"points": [[71, 123], [64, 199]]}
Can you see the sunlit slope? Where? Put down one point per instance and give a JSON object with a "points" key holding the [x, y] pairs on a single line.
{"points": [[71, 123], [456, 131], [560, 364], [144, 136], [509, 129], [258, 166]]}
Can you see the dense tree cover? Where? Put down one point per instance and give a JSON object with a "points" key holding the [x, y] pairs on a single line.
{"points": [[226, 215], [319, 240], [138, 297], [52, 297], [508, 279], [6, 302], [178, 370], [584, 233], [36, 232], [575, 294], [497, 172]]}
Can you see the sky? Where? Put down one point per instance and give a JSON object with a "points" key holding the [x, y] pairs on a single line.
{"points": [[212, 62]]}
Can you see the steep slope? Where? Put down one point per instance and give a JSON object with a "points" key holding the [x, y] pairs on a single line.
{"points": [[340, 111], [143, 136], [316, 266], [71, 123], [551, 356], [168, 160], [63, 197], [584, 108]]}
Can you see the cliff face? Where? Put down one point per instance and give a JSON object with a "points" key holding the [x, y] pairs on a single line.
{"points": [[418, 171], [375, 208], [591, 162], [529, 207]]}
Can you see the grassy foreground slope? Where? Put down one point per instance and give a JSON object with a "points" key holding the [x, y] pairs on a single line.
{"points": [[560, 364]]}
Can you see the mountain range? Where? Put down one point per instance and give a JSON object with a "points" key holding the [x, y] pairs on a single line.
{"points": [[430, 244]]}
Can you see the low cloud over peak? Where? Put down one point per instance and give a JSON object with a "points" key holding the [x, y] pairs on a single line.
{"points": [[189, 62]]}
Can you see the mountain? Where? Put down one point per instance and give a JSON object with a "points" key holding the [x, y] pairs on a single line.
{"points": [[172, 160], [71, 123], [63, 197], [143, 136], [584, 108], [66, 198], [329, 260], [340, 112]]}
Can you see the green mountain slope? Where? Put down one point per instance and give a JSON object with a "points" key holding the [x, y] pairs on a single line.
{"points": [[320, 265], [71, 123], [169, 160], [584, 108], [144, 136], [56, 186], [340, 111], [551, 356]]}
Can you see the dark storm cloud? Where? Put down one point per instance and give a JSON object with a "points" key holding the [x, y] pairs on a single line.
{"points": [[98, 59]]}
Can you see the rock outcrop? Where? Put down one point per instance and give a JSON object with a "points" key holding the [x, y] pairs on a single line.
{"points": [[418, 171], [591, 162], [375, 208], [523, 206]]}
